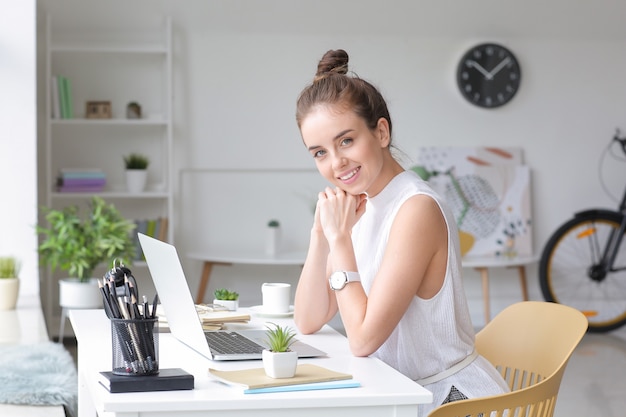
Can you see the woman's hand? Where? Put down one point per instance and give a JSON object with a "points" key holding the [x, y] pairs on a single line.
{"points": [[337, 211]]}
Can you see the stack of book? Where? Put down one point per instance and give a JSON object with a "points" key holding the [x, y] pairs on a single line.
{"points": [[61, 95], [81, 180]]}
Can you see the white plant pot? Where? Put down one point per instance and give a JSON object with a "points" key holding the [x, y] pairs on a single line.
{"points": [[9, 290], [280, 364], [76, 294], [273, 241], [231, 305], [136, 180]]}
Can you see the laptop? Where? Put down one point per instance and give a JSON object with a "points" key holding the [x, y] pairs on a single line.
{"points": [[182, 317]]}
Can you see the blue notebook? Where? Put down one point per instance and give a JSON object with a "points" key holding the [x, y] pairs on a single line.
{"points": [[306, 387]]}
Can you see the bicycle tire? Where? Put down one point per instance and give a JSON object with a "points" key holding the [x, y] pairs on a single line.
{"points": [[566, 263]]}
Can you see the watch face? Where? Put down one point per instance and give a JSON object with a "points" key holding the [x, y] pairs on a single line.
{"points": [[337, 280], [488, 75]]}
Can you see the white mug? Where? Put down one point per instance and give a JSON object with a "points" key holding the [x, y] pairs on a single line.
{"points": [[276, 297]]}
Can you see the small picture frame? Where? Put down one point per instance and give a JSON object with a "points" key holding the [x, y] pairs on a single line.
{"points": [[98, 110]]}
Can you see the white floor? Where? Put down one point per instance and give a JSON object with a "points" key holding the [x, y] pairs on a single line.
{"points": [[594, 383]]}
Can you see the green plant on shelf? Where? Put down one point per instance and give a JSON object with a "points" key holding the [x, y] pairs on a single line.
{"points": [[136, 161]]}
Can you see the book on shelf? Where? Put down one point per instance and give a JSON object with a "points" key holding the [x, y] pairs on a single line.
{"points": [[55, 104], [168, 379], [81, 180], [255, 379], [155, 227]]}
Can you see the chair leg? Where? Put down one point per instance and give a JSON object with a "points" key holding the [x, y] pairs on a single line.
{"points": [[522, 281]]}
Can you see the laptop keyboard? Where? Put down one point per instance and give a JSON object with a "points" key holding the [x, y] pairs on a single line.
{"points": [[231, 342]]}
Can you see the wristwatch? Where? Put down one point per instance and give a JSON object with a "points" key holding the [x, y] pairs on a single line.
{"points": [[339, 279]]}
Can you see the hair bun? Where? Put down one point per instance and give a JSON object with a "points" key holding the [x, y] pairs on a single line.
{"points": [[333, 62]]}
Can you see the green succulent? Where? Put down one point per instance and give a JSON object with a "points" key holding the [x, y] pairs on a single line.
{"points": [[273, 223], [279, 338], [224, 294]]}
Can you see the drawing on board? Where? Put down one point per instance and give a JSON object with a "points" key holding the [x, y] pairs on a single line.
{"points": [[488, 191]]}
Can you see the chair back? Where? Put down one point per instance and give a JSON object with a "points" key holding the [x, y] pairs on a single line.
{"points": [[530, 344]]}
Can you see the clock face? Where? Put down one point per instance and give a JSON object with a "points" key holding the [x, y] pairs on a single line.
{"points": [[488, 75]]}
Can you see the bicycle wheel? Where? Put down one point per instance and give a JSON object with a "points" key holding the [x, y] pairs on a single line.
{"points": [[568, 270]]}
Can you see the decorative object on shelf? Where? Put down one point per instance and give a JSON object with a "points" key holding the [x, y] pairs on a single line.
{"points": [[9, 282], [133, 110], [136, 172], [279, 361], [488, 75], [98, 110], [226, 298], [273, 237]]}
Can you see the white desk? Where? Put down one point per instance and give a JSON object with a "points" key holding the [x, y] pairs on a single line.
{"points": [[482, 265], [212, 258], [384, 392]]}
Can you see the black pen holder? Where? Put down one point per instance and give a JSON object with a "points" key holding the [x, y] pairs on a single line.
{"points": [[135, 346]]}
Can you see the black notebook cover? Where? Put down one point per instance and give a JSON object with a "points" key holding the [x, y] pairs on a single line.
{"points": [[166, 380]]}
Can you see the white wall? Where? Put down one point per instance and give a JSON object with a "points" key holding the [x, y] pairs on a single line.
{"points": [[18, 139], [239, 66]]}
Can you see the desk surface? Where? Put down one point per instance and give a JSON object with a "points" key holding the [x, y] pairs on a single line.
{"points": [[384, 391]]}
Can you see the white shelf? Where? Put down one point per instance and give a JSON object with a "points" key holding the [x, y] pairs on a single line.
{"points": [[119, 65]]}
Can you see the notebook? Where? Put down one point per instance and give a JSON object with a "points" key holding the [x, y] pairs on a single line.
{"points": [[171, 285]]}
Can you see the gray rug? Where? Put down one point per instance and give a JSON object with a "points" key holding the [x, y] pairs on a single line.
{"points": [[38, 374]]}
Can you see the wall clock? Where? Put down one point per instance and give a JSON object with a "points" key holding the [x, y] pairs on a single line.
{"points": [[488, 75]]}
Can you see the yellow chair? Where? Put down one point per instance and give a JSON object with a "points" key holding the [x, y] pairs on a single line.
{"points": [[530, 344]]}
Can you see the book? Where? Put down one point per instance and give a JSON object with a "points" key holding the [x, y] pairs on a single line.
{"points": [[55, 99], [169, 379], [255, 378], [313, 386]]}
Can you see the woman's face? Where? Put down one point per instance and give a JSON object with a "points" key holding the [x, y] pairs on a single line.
{"points": [[347, 153]]}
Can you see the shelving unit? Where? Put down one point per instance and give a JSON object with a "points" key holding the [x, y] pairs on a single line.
{"points": [[119, 65]]}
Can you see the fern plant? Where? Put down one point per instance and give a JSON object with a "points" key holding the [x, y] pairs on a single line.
{"points": [[279, 338]]}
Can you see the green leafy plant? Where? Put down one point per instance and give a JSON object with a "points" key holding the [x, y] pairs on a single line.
{"points": [[78, 244], [224, 294], [9, 267], [136, 161], [279, 338], [273, 223]]}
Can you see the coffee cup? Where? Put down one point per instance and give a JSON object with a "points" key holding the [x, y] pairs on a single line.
{"points": [[276, 297]]}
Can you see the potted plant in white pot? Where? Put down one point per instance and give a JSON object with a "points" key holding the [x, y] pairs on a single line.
{"points": [[226, 298], [273, 237], [279, 361], [78, 243], [9, 282], [136, 172]]}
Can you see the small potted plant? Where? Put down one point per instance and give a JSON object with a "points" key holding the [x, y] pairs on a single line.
{"points": [[273, 237], [78, 242], [136, 172], [9, 282], [226, 298], [279, 361]]}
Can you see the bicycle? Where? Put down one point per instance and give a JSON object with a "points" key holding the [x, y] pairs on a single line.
{"points": [[583, 264]]}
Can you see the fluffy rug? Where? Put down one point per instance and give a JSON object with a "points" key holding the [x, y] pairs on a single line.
{"points": [[38, 374]]}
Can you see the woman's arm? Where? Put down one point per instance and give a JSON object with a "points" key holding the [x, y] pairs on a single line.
{"points": [[414, 262]]}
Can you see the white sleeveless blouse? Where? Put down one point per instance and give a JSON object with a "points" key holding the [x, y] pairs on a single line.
{"points": [[433, 334]]}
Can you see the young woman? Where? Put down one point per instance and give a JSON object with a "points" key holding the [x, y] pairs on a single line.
{"points": [[384, 248]]}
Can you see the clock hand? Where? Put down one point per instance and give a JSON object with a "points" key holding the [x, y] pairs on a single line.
{"points": [[479, 68], [498, 68]]}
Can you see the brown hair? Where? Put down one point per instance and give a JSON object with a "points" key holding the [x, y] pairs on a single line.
{"points": [[332, 85]]}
